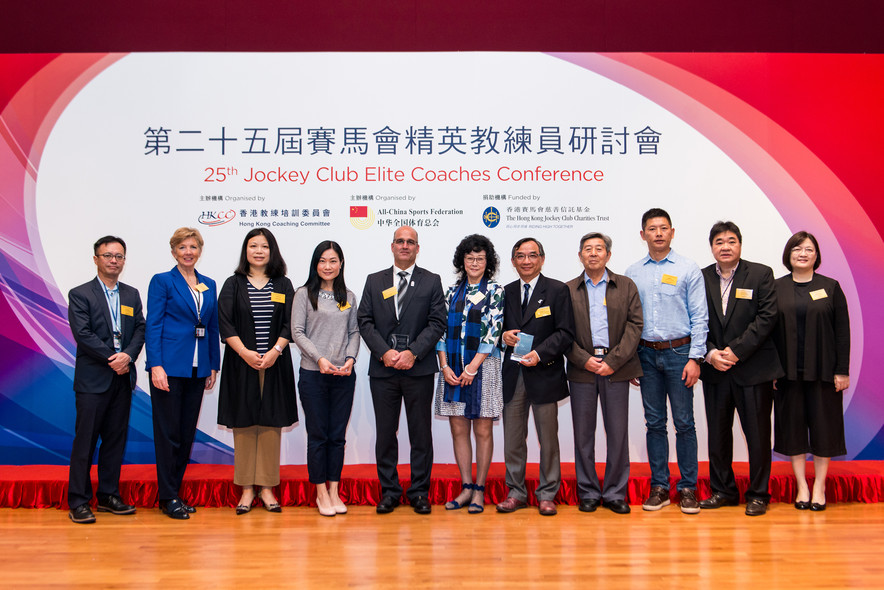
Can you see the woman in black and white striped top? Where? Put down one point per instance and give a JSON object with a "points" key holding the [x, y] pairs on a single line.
{"points": [[257, 396]]}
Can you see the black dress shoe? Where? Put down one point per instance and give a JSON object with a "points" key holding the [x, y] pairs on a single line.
{"points": [[588, 505], [816, 507], [756, 507], [188, 508], [114, 505], [82, 514], [717, 500], [802, 505], [617, 506], [175, 509], [387, 504], [421, 505]]}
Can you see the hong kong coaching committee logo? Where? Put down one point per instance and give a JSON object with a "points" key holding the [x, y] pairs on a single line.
{"points": [[491, 217], [361, 216], [213, 218]]}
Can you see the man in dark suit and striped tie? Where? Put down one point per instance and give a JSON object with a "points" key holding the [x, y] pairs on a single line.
{"points": [[401, 317]]}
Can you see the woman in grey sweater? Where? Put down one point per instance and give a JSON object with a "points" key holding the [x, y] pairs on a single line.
{"points": [[324, 329]]}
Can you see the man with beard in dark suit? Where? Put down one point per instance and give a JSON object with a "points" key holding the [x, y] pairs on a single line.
{"points": [[401, 317]]}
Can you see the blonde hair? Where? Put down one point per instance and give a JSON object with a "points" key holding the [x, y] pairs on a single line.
{"points": [[184, 233]]}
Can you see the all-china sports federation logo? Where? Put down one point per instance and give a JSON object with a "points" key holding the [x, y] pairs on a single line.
{"points": [[361, 216]]}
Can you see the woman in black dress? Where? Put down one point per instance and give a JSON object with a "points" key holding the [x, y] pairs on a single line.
{"points": [[813, 341], [257, 397]]}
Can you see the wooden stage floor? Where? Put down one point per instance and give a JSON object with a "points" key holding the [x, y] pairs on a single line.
{"points": [[298, 548]]}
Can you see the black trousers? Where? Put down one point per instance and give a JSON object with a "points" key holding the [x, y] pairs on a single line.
{"points": [[387, 395], [754, 405], [106, 416], [175, 414]]}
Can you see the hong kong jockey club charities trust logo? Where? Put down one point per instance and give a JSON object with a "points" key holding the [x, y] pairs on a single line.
{"points": [[361, 216], [491, 217], [213, 218]]}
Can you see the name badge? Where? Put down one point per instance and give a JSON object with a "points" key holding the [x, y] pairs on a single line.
{"points": [[743, 294], [669, 280], [477, 298], [344, 306], [277, 297], [391, 292], [202, 287], [818, 294], [126, 310], [542, 312]]}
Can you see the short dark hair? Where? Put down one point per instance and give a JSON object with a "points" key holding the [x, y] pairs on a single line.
{"points": [[655, 212], [475, 243], [276, 267], [522, 241], [107, 240], [721, 227], [796, 239], [597, 235], [314, 282]]}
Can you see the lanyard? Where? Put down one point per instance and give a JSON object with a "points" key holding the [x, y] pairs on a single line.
{"points": [[113, 306], [198, 299]]}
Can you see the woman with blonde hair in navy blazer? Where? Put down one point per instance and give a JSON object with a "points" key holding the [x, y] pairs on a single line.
{"points": [[183, 357]]}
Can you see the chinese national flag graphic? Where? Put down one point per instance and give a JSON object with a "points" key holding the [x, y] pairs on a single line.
{"points": [[361, 211]]}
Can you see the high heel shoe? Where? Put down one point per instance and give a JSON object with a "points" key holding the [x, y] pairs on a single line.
{"points": [[273, 505], [454, 504]]}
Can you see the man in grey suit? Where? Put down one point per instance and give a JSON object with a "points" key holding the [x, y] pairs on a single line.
{"points": [[536, 382], [401, 318], [108, 325], [602, 360]]}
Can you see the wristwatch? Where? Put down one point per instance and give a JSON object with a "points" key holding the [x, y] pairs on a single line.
{"points": [[277, 348]]}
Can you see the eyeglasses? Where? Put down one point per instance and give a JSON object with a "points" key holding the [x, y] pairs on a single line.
{"points": [[805, 249], [402, 242], [108, 257], [474, 259], [532, 256]]}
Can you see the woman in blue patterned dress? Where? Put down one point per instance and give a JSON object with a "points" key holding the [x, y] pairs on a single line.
{"points": [[469, 391]]}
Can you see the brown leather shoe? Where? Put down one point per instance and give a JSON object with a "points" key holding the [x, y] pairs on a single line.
{"points": [[547, 508], [756, 507], [688, 502], [658, 498], [511, 505]]}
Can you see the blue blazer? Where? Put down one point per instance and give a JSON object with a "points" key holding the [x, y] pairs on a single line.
{"points": [[171, 318]]}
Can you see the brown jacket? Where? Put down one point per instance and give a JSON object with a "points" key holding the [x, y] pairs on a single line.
{"points": [[624, 329]]}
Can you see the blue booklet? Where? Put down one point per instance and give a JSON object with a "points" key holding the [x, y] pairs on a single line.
{"points": [[522, 347]]}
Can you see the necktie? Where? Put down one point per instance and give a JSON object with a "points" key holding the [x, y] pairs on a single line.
{"points": [[403, 285], [525, 298]]}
